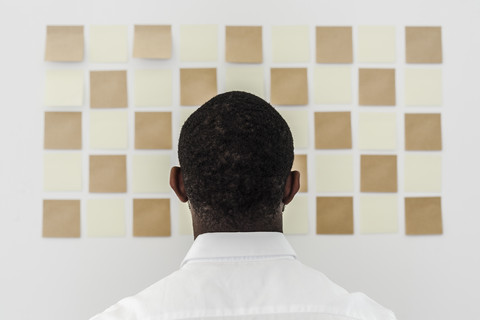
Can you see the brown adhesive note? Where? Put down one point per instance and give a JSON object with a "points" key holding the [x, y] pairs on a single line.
{"points": [[423, 131], [378, 173], [423, 44], [152, 42], [244, 44], [423, 216], [61, 218], [289, 86], [334, 215], [334, 44], [197, 86], [108, 173], [63, 130], [153, 130], [300, 165], [151, 218], [108, 89], [377, 87], [64, 43], [333, 130]]}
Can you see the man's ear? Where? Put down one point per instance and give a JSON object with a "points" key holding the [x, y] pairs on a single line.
{"points": [[176, 183], [291, 186]]}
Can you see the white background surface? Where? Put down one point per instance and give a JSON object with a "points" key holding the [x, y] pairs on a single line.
{"points": [[419, 278]]}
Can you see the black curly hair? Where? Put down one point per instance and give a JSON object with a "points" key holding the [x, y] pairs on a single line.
{"points": [[236, 152]]}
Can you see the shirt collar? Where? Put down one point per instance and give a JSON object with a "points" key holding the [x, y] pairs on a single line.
{"points": [[239, 245]]}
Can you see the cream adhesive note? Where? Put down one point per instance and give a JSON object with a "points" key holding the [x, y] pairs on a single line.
{"points": [[184, 219], [153, 88], [334, 173], [298, 123], [377, 131], [249, 79], [198, 43], [295, 216], [185, 113], [62, 171], [423, 87], [378, 214], [150, 173], [290, 44], [108, 129], [106, 218], [423, 172], [376, 44], [332, 85], [64, 88], [108, 44]]}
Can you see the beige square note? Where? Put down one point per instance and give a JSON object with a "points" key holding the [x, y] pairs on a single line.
{"points": [[108, 89], [151, 218], [334, 45], [153, 130], [63, 130], [334, 215], [64, 43], [423, 216], [150, 173], [300, 165], [376, 87], [197, 86], [152, 42], [378, 173], [108, 174], [423, 44], [61, 218], [288, 86], [108, 43], [244, 44], [423, 131], [333, 130]]}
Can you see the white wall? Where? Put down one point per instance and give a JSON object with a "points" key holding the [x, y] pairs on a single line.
{"points": [[418, 277]]}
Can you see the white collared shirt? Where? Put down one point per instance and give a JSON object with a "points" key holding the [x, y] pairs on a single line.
{"points": [[245, 276]]}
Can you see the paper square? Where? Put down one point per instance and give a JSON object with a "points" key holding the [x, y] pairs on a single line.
{"points": [[423, 131], [334, 44], [106, 217], [184, 219], [151, 218], [108, 89], [63, 88], [300, 165], [423, 216], [295, 216], [243, 44], [333, 130], [185, 113], [288, 86], [423, 172], [377, 131], [248, 79], [423, 87], [64, 43], [298, 123], [198, 43], [378, 173], [334, 215], [62, 171], [332, 85], [376, 87], [153, 87], [378, 214], [152, 42], [334, 173], [108, 44], [108, 174], [290, 44], [376, 44], [61, 218], [197, 86], [150, 173], [153, 130], [63, 130], [423, 44], [108, 129]]}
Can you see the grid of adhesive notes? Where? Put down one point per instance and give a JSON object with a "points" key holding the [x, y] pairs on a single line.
{"points": [[107, 157]]}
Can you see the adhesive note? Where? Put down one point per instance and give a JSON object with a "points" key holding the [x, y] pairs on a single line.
{"points": [[377, 131], [376, 44], [63, 130], [334, 173], [197, 86], [153, 88], [378, 173], [334, 215], [150, 173], [184, 219], [63, 88], [243, 44], [378, 214], [152, 42], [153, 130], [334, 45], [288, 86], [376, 87], [290, 44], [198, 43], [295, 216], [185, 113], [64, 43], [61, 219], [332, 85], [333, 130], [106, 217], [423, 44], [108, 173], [151, 218], [423, 216], [300, 165], [298, 122], [108, 89], [108, 44], [423, 172], [423, 87], [248, 79], [62, 171], [423, 131], [108, 129]]}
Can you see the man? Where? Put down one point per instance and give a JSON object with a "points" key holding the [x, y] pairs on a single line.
{"points": [[235, 155]]}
